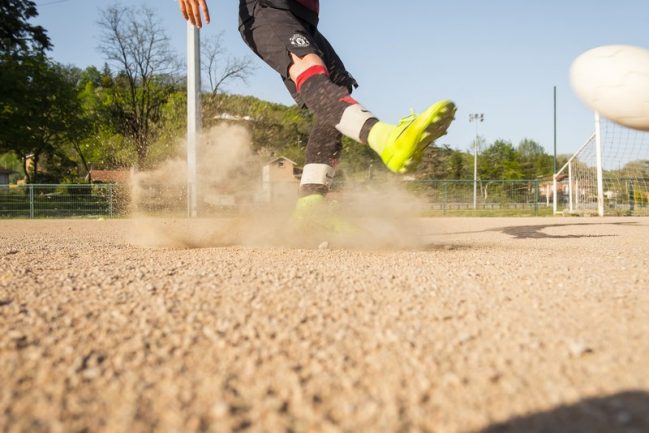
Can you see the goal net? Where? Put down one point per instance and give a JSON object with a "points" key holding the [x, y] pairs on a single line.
{"points": [[608, 175]]}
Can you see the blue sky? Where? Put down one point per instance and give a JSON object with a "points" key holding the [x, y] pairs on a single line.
{"points": [[500, 57]]}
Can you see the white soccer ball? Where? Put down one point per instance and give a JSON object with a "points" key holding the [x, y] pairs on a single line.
{"points": [[614, 81]]}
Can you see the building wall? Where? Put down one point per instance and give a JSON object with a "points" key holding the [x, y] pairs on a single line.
{"points": [[278, 183], [281, 174]]}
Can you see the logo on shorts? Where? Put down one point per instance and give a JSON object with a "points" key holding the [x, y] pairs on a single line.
{"points": [[299, 41]]}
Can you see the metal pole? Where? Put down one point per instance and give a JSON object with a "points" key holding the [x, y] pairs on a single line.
{"points": [[193, 114], [600, 169], [445, 196], [475, 172], [555, 130], [555, 195], [476, 117], [31, 201], [570, 187]]}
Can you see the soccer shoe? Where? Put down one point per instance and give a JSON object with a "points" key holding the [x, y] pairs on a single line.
{"points": [[313, 212], [400, 147]]}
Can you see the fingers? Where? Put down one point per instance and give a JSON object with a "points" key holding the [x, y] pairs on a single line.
{"points": [[206, 11], [183, 9], [191, 10], [196, 14]]}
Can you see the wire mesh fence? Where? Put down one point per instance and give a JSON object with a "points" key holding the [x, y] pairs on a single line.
{"points": [[61, 201], [441, 197], [492, 197]]}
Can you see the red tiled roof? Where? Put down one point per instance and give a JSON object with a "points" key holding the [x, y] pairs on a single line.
{"points": [[110, 176]]}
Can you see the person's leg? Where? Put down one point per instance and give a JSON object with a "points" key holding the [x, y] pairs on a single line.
{"points": [[300, 54], [325, 141], [331, 102], [324, 86], [295, 49]]}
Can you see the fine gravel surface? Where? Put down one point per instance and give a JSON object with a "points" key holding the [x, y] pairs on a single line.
{"points": [[488, 325]]}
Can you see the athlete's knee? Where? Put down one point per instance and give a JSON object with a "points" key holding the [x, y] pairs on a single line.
{"points": [[302, 64]]}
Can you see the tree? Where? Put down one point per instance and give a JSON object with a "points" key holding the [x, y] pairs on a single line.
{"points": [[42, 113], [461, 165], [442, 162], [95, 140], [499, 161], [638, 168], [534, 161], [234, 68], [22, 61], [135, 42], [17, 36]]}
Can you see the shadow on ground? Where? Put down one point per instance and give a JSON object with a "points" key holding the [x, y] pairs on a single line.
{"points": [[536, 231], [626, 412]]}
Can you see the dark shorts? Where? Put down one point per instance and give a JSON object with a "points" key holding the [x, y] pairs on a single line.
{"points": [[275, 33]]}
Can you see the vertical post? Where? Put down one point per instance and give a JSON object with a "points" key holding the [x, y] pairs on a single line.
{"points": [[475, 117], [555, 130], [193, 114], [547, 195], [31, 201], [537, 197], [577, 194], [600, 168], [445, 196], [570, 186], [475, 173], [555, 194], [110, 200]]}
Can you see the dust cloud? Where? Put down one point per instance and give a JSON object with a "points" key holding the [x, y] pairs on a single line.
{"points": [[363, 216]]}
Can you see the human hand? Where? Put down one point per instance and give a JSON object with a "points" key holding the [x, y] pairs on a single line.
{"points": [[191, 10]]}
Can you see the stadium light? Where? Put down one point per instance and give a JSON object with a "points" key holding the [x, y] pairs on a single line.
{"points": [[477, 118], [193, 114]]}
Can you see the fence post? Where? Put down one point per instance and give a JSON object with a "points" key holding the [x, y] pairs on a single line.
{"points": [[555, 195], [31, 201], [537, 195], [570, 207], [110, 200], [445, 197], [600, 169]]}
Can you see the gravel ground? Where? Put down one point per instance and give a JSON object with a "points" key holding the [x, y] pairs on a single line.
{"points": [[490, 325]]}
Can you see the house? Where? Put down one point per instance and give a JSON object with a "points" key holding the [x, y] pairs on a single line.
{"points": [[233, 117], [4, 175], [109, 176], [280, 180]]}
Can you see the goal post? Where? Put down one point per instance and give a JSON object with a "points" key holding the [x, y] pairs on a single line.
{"points": [[607, 175]]}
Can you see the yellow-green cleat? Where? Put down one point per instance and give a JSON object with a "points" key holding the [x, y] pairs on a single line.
{"points": [[400, 147], [314, 212]]}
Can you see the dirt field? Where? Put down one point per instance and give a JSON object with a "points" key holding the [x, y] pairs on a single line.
{"points": [[488, 325]]}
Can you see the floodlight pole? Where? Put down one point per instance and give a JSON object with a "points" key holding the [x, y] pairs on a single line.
{"points": [[193, 114], [475, 117], [554, 164]]}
